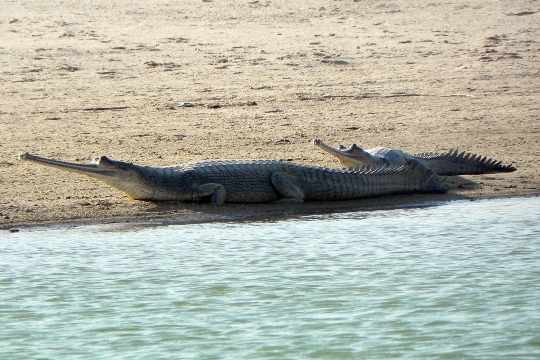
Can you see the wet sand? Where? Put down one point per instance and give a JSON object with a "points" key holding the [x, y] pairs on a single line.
{"points": [[165, 83]]}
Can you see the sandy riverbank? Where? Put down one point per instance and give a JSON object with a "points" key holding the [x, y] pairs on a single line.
{"points": [[263, 79]]}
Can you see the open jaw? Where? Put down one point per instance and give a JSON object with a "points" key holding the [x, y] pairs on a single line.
{"points": [[95, 170]]}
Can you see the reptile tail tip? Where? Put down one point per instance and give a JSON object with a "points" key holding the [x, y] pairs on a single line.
{"points": [[508, 168]]}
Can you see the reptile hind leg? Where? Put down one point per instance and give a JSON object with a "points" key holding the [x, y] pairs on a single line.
{"points": [[216, 192], [287, 187]]}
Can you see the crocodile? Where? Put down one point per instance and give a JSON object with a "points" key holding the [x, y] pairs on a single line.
{"points": [[250, 181], [449, 163]]}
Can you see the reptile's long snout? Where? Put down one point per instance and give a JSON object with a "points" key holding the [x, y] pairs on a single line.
{"points": [[87, 169]]}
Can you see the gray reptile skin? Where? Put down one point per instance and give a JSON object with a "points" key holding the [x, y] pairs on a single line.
{"points": [[251, 181], [450, 163]]}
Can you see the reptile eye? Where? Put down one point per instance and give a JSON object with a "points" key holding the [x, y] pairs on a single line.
{"points": [[105, 161]]}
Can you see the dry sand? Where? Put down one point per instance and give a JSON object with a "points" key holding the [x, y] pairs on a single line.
{"points": [[83, 79]]}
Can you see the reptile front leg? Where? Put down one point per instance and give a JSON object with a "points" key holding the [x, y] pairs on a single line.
{"points": [[216, 192]]}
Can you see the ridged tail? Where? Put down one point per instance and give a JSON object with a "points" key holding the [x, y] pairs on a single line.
{"points": [[462, 163]]}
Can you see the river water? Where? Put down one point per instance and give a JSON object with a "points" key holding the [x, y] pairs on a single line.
{"points": [[455, 281]]}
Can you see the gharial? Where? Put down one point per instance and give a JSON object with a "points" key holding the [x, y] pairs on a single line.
{"points": [[449, 163], [256, 181]]}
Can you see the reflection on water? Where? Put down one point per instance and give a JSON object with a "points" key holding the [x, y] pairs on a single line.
{"points": [[454, 281]]}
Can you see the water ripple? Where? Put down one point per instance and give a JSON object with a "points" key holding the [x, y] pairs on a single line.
{"points": [[455, 281]]}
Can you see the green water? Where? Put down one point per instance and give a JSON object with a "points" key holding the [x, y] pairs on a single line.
{"points": [[457, 281]]}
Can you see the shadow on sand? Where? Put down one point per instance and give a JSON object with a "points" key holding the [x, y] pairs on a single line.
{"points": [[179, 213]]}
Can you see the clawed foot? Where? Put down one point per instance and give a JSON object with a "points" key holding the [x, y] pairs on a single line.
{"points": [[216, 192]]}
